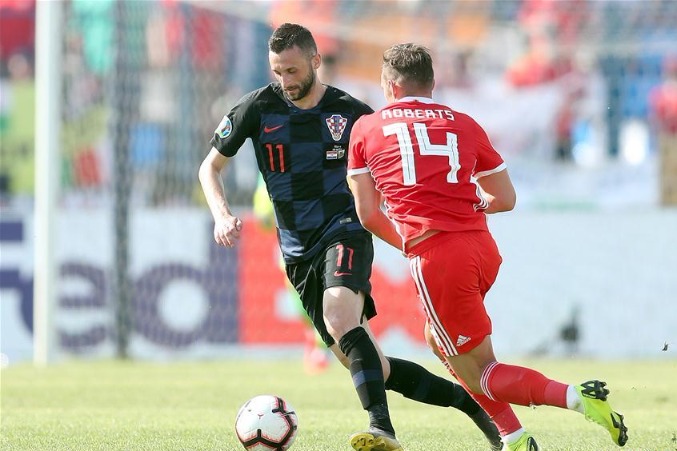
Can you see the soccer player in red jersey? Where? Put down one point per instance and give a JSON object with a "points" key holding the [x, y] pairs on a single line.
{"points": [[439, 176]]}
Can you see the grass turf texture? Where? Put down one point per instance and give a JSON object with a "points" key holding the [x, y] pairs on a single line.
{"points": [[115, 405]]}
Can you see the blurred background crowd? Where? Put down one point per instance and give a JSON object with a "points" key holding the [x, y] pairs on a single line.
{"points": [[580, 96]]}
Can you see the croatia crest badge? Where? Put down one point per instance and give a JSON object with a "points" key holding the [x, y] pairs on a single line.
{"points": [[337, 125]]}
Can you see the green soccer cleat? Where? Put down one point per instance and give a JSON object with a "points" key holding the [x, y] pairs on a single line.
{"points": [[597, 409], [525, 443], [374, 441]]}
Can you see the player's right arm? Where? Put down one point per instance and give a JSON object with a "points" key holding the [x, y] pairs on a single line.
{"points": [[367, 198], [235, 127], [226, 225], [368, 207]]}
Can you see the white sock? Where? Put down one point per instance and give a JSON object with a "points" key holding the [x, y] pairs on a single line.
{"points": [[574, 401], [513, 436]]}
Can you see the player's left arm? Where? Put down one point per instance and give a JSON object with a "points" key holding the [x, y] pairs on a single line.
{"points": [[368, 206], [492, 175], [499, 191]]}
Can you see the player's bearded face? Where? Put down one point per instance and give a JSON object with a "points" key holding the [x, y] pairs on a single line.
{"points": [[295, 70], [298, 91]]}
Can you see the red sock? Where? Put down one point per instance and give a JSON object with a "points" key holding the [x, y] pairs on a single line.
{"points": [[501, 412], [522, 386]]}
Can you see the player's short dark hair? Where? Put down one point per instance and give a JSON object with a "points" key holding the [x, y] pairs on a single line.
{"points": [[289, 35], [409, 63]]}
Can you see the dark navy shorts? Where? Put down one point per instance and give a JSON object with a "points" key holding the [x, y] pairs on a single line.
{"points": [[345, 262]]}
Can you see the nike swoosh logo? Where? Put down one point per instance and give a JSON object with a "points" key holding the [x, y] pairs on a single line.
{"points": [[271, 129], [339, 274]]}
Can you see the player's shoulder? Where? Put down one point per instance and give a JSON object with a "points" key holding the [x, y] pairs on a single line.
{"points": [[474, 124], [336, 97], [263, 100], [461, 114], [450, 107], [270, 92], [369, 117], [367, 122]]}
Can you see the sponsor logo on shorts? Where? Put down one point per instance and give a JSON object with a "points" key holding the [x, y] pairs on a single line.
{"points": [[462, 339]]}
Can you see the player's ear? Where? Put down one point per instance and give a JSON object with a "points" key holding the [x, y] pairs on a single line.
{"points": [[394, 89], [316, 61]]}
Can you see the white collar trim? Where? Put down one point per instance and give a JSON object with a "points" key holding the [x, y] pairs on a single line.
{"points": [[416, 99]]}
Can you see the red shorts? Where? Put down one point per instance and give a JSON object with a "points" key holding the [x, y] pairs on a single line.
{"points": [[453, 272]]}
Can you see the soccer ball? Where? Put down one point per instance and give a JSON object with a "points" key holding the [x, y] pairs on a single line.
{"points": [[266, 423]]}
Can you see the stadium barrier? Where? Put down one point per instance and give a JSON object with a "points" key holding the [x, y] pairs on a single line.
{"points": [[584, 283]]}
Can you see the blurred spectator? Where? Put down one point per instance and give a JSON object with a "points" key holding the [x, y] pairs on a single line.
{"points": [[454, 72], [663, 115], [663, 99], [17, 94], [17, 150], [94, 21], [551, 29], [87, 59], [17, 27]]}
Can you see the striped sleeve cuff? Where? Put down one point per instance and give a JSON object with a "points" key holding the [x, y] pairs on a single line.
{"points": [[499, 168]]}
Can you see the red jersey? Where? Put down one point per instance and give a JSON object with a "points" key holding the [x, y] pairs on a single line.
{"points": [[425, 159]]}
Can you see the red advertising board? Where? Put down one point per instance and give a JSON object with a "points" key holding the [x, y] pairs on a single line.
{"points": [[264, 317]]}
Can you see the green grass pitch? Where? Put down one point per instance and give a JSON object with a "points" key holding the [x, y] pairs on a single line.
{"points": [[111, 405]]}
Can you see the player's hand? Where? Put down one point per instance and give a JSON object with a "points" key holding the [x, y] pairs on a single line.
{"points": [[227, 231]]}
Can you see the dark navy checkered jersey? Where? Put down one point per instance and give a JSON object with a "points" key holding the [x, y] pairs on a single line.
{"points": [[302, 155]]}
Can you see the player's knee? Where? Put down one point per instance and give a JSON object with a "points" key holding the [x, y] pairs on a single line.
{"points": [[338, 327], [339, 321]]}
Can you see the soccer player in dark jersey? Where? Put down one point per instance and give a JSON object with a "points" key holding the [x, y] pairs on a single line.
{"points": [[438, 175], [300, 129]]}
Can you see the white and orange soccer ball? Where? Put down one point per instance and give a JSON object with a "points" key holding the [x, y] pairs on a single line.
{"points": [[266, 423]]}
